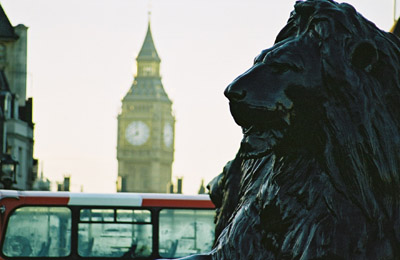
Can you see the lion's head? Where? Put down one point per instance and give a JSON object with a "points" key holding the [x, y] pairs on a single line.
{"points": [[319, 163], [264, 99], [326, 55]]}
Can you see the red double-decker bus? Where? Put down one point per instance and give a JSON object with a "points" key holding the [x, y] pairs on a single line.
{"points": [[66, 225]]}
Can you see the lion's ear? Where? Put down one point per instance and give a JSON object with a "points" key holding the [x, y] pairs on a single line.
{"points": [[364, 56]]}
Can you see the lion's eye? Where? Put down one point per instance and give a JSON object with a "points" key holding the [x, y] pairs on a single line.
{"points": [[280, 68]]}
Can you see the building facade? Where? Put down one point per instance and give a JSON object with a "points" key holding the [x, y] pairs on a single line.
{"points": [[146, 127], [15, 109]]}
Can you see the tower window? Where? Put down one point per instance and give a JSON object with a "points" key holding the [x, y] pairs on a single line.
{"points": [[148, 70]]}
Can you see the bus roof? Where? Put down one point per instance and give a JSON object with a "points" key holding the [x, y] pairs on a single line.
{"points": [[109, 199]]}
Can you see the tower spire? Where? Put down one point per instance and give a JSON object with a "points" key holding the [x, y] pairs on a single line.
{"points": [[149, 12], [148, 51]]}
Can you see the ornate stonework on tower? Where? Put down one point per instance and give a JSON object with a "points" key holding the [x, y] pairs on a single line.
{"points": [[146, 126]]}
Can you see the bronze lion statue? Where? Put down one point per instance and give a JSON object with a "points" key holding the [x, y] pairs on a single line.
{"points": [[317, 175]]}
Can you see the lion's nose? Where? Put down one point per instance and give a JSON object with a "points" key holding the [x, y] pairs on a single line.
{"points": [[234, 94]]}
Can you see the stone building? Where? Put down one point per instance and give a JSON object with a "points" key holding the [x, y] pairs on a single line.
{"points": [[146, 126], [16, 126]]}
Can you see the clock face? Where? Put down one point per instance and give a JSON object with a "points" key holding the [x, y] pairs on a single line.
{"points": [[168, 134], [137, 133]]}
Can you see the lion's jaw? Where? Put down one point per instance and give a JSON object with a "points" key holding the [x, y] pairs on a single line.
{"points": [[262, 128], [257, 143]]}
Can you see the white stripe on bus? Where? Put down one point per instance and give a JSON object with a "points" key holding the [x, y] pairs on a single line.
{"points": [[111, 199]]}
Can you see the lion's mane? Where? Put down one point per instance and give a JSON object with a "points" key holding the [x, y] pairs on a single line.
{"points": [[330, 188]]}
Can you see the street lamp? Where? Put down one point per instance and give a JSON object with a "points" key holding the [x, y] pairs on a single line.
{"points": [[8, 174]]}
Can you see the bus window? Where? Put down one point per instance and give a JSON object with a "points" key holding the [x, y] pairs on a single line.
{"points": [[137, 215], [115, 233], [185, 231], [38, 232]]}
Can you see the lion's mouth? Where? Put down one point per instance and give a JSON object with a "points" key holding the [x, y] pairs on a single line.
{"points": [[253, 118], [262, 128]]}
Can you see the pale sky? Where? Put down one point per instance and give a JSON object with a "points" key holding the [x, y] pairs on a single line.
{"points": [[81, 63]]}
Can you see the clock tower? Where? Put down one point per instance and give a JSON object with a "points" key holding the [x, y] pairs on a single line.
{"points": [[146, 126]]}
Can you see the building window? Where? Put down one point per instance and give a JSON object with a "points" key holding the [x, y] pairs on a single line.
{"points": [[2, 54]]}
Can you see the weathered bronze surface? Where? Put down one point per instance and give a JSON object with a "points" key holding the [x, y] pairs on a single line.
{"points": [[317, 175]]}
